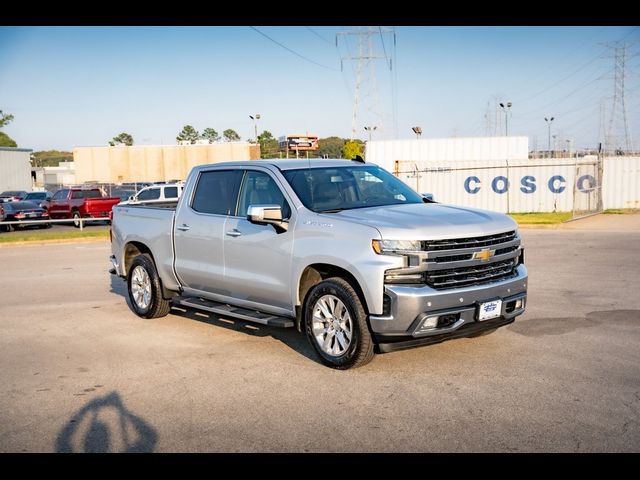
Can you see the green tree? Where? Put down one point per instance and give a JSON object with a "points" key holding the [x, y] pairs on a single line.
{"points": [[189, 134], [50, 158], [5, 118], [123, 138], [211, 135], [230, 135], [330, 147], [268, 145], [351, 149], [7, 141]]}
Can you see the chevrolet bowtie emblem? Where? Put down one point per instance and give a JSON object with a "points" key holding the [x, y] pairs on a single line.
{"points": [[484, 255]]}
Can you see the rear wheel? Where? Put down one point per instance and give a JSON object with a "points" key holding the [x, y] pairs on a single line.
{"points": [[76, 219], [145, 291], [336, 325]]}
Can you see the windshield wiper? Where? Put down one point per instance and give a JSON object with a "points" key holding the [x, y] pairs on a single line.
{"points": [[333, 210]]}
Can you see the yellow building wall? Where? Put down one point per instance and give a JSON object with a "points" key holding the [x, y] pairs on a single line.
{"points": [[153, 163]]}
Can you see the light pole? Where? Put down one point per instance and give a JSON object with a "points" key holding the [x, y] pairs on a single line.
{"points": [[370, 129], [505, 109], [549, 120], [417, 131], [255, 124]]}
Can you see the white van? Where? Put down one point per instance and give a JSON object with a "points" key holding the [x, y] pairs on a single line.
{"points": [[158, 193]]}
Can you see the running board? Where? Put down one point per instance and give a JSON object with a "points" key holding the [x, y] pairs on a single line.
{"points": [[237, 312]]}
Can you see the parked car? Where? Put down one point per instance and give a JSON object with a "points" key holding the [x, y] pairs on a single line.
{"points": [[342, 250], [158, 193], [76, 203], [12, 195], [43, 199], [21, 211]]}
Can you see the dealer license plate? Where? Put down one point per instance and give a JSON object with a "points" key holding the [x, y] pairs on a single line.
{"points": [[489, 310]]}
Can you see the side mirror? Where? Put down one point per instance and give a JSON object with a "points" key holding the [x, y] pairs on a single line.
{"points": [[427, 198], [131, 198], [267, 215]]}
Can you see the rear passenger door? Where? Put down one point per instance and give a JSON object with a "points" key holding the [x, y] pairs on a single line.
{"points": [[199, 231]]}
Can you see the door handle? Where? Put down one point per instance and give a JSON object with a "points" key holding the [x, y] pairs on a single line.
{"points": [[184, 227], [234, 233]]}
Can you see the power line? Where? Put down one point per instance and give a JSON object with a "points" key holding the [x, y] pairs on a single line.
{"points": [[319, 36], [293, 51]]}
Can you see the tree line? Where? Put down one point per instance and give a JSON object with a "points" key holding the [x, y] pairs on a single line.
{"points": [[187, 134]]}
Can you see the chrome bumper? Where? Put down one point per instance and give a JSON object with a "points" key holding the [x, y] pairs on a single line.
{"points": [[408, 304]]}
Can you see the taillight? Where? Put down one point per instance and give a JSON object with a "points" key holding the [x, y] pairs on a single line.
{"points": [[19, 215]]}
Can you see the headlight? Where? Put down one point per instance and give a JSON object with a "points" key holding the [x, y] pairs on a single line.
{"points": [[395, 246]]}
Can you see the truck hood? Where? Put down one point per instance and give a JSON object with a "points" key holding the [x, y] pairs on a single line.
{"points": [[428, 221]]}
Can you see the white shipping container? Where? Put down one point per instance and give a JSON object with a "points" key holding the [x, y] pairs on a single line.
{"points": [[15, 169]]}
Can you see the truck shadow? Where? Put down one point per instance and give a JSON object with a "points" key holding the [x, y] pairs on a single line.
{"points": [[289, 336], [105, 425]]}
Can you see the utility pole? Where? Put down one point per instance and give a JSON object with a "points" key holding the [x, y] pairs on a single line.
{"points": [[370, 129], [548, 120], [619, 108], [255, 124], [505, 108]]}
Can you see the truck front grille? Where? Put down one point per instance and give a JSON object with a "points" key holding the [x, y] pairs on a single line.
{"points": [[454, 244], [469, 276]]}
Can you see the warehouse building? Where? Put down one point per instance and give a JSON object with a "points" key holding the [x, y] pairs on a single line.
{"points": [[15, 169], [154, 163]]}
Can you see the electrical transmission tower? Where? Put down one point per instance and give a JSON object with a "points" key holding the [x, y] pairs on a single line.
{"points": [[618, 124], [365, 88]]}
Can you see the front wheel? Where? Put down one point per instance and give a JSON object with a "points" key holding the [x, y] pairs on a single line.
{"points": [[336, 325], [145, 291], [76, 219]]}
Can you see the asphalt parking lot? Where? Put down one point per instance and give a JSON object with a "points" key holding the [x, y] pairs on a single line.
{"points": [[80, 372]]}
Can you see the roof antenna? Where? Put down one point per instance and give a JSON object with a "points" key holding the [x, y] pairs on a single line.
{"points": [[358, 158]]}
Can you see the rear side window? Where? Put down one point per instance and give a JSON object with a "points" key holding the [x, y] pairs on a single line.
{"points": [[171, 192], [86, 194], [61, 195], [217, 192], [151, 194]]}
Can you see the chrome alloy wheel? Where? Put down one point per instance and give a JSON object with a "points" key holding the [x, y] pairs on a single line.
{"points": [[332, 326], [141, 287]]}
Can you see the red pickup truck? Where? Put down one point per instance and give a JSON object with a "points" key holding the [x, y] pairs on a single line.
{"points": [[75, 203]]}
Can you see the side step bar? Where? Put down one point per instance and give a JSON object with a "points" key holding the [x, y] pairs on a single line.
{"points": [[237, 312]]}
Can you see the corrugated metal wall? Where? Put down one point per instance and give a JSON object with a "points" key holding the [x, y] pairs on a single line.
{"points": [[621, 182], [494, 173], [538, 186], [15, 169], [148, 163]]}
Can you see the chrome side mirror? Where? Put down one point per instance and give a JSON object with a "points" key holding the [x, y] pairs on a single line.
{"points": [[267, 215], [427, 198]]}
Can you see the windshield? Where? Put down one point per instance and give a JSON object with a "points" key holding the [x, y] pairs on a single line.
{"points": [[343, 188], [36, 196]]}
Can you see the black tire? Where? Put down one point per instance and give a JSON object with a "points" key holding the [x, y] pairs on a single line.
{"points": [[360, 349], [158, 306], [483, 333], [76, 217]]}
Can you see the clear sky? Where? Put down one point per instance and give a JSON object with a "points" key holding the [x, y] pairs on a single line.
{"points": [[72, 86]]}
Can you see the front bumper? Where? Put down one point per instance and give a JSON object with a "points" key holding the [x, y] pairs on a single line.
{"points": [[410, 304]]}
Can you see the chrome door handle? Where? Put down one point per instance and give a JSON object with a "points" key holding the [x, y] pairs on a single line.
{"points": [[234, 233], [184, 227]]}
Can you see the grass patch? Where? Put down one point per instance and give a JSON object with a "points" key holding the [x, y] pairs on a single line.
{"points": [[545, 218], [621, 211], [39, 235]]}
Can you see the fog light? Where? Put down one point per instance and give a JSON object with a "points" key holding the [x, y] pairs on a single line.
{"points": [[519, 304], [429, 323]]}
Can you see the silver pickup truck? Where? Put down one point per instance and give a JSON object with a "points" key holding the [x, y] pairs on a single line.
{"points": [[339, 249]]}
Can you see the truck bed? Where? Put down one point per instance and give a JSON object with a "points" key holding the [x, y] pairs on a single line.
{"points": [[151, 225]]}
